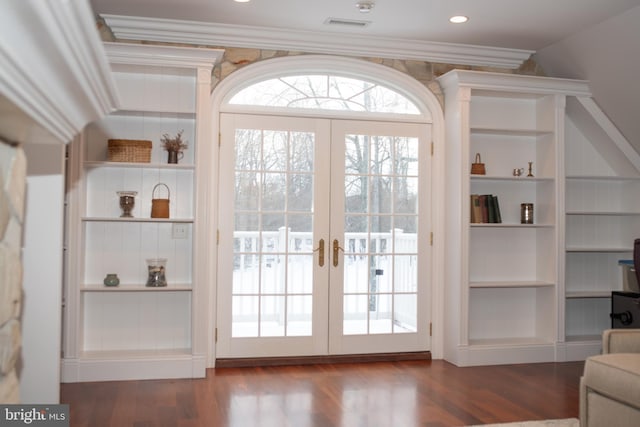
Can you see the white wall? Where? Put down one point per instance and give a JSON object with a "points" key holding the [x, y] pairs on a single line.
{"points": [[42, 257], [608, 55]]}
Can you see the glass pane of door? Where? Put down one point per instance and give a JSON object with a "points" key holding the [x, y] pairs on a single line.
{"points": [[274, 265], [380, 267], [377, 223], [273, 233]]}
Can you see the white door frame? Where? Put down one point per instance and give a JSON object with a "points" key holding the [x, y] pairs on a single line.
{"points": [[403, 83]]}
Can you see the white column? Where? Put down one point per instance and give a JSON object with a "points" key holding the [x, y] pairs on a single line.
{"points": [[42, 259]]}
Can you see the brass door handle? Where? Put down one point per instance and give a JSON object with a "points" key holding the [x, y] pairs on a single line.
{"points": [[336, 248], [320, 250]]}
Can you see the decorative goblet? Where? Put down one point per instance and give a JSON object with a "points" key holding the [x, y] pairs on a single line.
{"points": [[127, 201]]}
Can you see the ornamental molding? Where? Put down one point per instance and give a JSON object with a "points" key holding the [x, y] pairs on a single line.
{"points": [[212, 34], [514, 83], [55, 80], [163, 56]]}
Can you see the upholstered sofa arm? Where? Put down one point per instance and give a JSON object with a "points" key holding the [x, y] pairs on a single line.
{"points": [[621, 341]]}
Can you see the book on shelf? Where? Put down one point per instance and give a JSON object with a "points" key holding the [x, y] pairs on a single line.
{"points": [[496, 206], [491, 209], [476, 210], [485, 209]]}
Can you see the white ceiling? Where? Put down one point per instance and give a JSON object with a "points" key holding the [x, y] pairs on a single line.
{"points": [[517, 24]]}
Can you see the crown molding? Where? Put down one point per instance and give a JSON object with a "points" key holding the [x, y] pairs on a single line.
{"points": [[212, 34], [162, 56], [514, 83], [55, 77]]}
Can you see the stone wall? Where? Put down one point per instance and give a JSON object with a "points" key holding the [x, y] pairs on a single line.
{"points": [[12, 193], [423, 71]]}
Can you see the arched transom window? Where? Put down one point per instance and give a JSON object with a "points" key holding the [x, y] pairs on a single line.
{"points": [[325, 92]]}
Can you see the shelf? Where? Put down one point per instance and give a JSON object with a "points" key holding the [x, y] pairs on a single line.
{"points": [[137, 288], [509, 178], [107, 164], [602, 213], [509, 132], [516, 341], [508, 225], [583, 338], [135, 354], [602, 178], [137, 220], [588, 294], [510, 284], [598, 249]]}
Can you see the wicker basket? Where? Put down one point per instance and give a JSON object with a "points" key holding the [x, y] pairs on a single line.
{"points": [[477, 168], [160, 207], [129, 150]]}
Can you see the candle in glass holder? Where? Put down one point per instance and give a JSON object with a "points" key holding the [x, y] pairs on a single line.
{"points": [[526, 213]]}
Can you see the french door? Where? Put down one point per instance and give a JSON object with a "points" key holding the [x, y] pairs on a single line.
{"points": [[323, 239]]}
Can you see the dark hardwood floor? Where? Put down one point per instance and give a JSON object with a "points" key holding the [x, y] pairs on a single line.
{"points": [[381, 394]]}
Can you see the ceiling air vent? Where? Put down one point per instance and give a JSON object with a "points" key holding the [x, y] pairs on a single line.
{"points": [[347, 22]]}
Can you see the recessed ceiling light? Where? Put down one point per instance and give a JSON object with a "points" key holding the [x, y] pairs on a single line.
{"points": [[242, 1], [365, 6], [458, 19]]}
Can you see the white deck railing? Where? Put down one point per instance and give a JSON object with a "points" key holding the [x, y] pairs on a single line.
{"points": [[373, 263]]}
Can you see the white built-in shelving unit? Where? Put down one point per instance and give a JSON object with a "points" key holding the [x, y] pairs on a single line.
{"points": [[602, 211], [134, 331], [503, 280], [514, 292]]}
